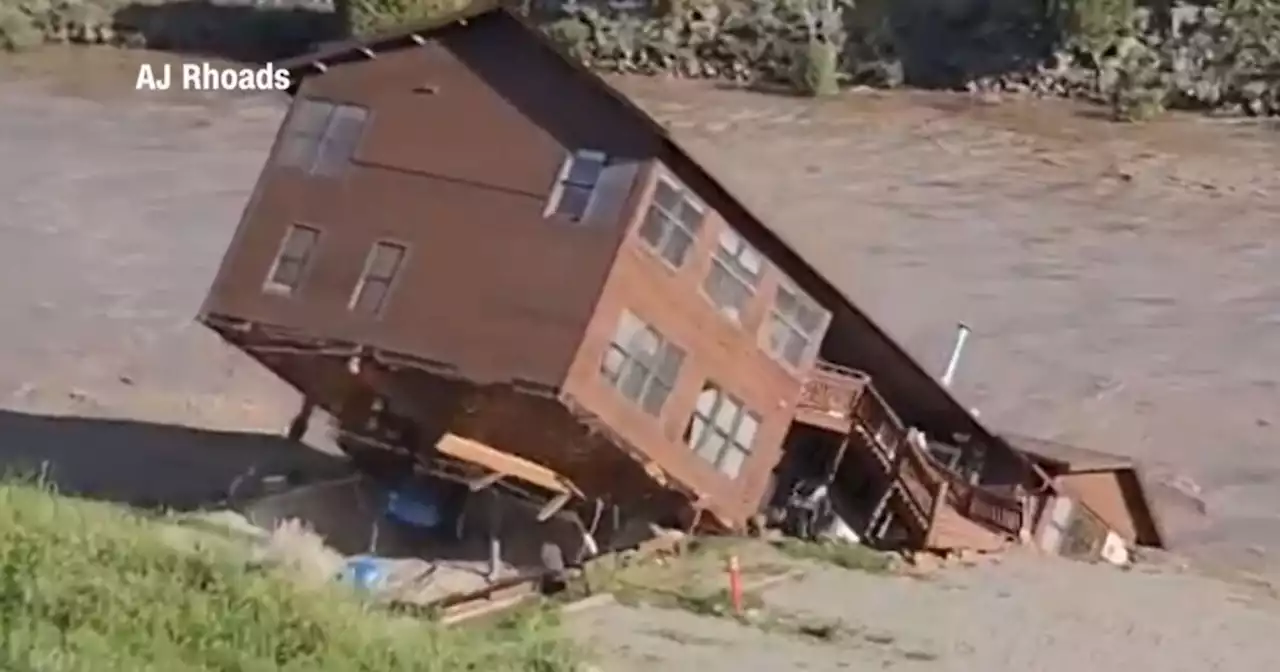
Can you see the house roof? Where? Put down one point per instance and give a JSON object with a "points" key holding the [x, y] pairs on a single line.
{"points": [[934, 404], [1066, 457]]}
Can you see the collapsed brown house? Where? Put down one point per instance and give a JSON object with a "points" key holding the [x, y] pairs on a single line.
{"points": [[461, 233]]}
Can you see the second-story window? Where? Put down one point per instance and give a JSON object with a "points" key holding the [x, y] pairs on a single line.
{"points": [[672, 222], [380, 271], [321, 137], [735, 273], [292, 260], [576, 183], [722, 430], [641, 364], [794, 327]]}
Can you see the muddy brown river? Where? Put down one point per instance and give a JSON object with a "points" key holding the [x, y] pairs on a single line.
{"points": [[1123, 283]]}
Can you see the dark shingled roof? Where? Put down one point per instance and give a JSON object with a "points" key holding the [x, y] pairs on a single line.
{"points": [[1067, 457]]}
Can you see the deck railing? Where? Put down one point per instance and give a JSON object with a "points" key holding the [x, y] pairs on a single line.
{"points": [[921, 480], [832, 389], [1001, 512]]}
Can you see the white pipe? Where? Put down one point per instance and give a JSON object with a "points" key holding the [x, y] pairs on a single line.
{"points": [[495, 536], [962, 335]]}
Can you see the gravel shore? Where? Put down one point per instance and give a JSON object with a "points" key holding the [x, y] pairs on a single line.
{"points": [[1024, 613]]}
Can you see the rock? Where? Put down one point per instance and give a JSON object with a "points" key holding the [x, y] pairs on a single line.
{"points": [[924, 563]]}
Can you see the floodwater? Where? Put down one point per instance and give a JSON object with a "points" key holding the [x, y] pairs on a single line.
{"points": [[1123, 283]]}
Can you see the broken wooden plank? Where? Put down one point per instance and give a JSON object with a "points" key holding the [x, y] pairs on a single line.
{"points": [[492, 459]]}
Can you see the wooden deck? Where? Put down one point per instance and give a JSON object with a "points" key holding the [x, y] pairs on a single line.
{"points": [[936, 507]]}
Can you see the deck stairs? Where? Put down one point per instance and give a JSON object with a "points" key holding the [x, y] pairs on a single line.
{"points": [[934, 506]]}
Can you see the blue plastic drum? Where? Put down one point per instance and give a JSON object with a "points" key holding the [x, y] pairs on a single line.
{"points": [[364, 573]]}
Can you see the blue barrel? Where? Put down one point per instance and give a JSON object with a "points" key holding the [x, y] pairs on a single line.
{"points": [[364, 573]]}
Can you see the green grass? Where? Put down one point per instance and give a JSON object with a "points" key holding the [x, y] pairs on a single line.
{"points": [[91, 587], [846, 556]]}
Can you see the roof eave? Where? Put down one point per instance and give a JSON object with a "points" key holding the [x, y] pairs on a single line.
{"points": [[320, 59]]}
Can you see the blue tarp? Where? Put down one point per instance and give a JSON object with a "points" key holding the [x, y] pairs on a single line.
{"points": [[414, 505]]}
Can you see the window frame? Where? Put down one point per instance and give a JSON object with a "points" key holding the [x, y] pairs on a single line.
{"points": [[650, 364], [728, 267], [366, 274], [269, 283], [671, 220], [814, 339], [730, 437], [556, 197], [310, 159]]}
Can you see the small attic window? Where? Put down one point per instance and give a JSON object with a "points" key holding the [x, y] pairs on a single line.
{"points": [[321, 137], [381, 267], [292, 259], [576, 183]]}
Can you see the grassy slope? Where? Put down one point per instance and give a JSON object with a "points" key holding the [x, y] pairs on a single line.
{"points": [[90, 587]]}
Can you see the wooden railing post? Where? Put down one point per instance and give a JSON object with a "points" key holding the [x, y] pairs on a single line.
{"points": [[874, 526], [939, 501]]}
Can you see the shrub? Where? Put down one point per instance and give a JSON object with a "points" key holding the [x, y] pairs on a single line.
{"points": [[28, 23], [365, 17], [798, 43], [18, 29], [819, 61]]}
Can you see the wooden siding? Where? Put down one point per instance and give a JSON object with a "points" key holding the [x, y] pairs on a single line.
{"points": [[718, 351], [460, 174], [1101, 492]]}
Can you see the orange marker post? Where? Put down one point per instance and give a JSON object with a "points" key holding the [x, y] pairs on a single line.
{"points": [[735, 585]]}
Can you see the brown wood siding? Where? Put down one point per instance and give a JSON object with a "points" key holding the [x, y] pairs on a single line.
{"points": [[852, 338], [717, 351], [460, 176], [1101, 492]]}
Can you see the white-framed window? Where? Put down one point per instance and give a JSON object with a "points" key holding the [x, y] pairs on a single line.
{"points": [[571, 195], [736, 269], [641, 364], [292, 260], [795, 325], [380, 270], [321, 137], [672, 221], [722, 431]]}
